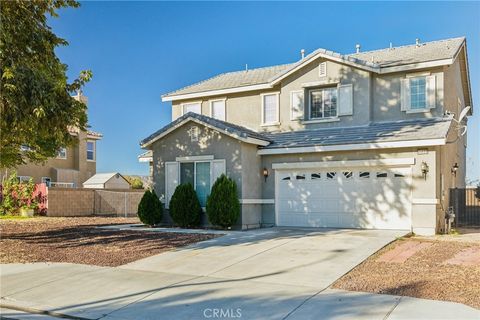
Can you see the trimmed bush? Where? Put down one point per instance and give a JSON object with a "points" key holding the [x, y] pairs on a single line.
{"points": [[185, 208], [150, 209], [223, 207]]}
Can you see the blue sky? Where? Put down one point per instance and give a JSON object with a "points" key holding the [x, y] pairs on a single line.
{"points": [[141, 50]]}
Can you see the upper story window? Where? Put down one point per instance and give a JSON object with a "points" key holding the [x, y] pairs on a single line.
{"points": [[270, 111], [217, 109], [323, 103], [62, 153], [418, 93], [91, 150], [192, 107]]}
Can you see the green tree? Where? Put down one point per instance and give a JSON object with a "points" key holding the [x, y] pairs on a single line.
{"points": [[150, 209], [135, 182], [36, 107], [185, 208], [223, 207]]}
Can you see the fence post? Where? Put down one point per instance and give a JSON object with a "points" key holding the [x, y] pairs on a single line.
{"points": [[125, 195]]}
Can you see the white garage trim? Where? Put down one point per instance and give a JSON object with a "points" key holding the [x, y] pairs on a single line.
{"points": [[391, 162], [257, 201], [359, 146]]}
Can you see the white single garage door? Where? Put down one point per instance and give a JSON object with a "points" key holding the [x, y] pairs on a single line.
{"points": [[372, 198]]}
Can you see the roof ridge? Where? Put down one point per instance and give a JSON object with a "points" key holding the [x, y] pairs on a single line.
{"points": [[405, 45]]}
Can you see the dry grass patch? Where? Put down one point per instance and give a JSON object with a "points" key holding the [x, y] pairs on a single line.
{"points": [[423, 275], [78, 240]]}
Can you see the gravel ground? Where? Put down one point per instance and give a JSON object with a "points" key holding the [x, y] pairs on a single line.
{"points": [[77, 240], [424, 275]]}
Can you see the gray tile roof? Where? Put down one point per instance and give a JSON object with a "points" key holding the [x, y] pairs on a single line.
{"points": [[428, 51], [218, 124], [404, 130], [234, 79]]}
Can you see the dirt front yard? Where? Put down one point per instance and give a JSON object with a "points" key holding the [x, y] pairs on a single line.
{"points": [[78, 240], [422, 267]]}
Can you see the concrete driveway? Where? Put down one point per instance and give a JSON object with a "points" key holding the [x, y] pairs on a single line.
{"points": [[259, 274]]}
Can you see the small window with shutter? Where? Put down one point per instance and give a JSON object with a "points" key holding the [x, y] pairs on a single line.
{"points": [[418, 93]]}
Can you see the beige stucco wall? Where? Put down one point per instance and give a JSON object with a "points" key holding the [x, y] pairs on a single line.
{"points": [[376, 97], [455, 149], [242, 162], [386, 96], [75, 168]]}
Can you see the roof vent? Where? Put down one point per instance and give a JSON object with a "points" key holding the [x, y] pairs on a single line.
{"points": [[417, 42], [246, 67], [357, 48], [391, 46], [302, 53]]}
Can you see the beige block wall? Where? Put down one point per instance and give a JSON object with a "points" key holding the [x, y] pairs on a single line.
{"points": [[70, 202], [87, 202]]}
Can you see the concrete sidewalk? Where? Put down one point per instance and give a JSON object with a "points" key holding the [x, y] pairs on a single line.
{"points": [[112, 293]]}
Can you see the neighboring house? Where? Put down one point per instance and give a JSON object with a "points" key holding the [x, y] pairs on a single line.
{"points": [[72, 166], [112, 180], [363, 140]]}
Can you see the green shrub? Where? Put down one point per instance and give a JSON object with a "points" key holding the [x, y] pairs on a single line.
{"points": [[185, 208], [17, 195], [223, 207], [150, 209], [135, 182]]}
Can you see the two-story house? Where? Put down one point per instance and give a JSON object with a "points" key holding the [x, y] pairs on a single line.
{"points": [[363, 140], [72, 166]]}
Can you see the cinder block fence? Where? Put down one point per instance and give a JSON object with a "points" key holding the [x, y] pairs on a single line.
{"points": [[65, 202]]}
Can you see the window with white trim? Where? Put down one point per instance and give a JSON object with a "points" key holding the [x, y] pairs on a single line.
{"points": [[270, 109], [296, 105], [418, 93], [91, 150], [62, 153], [195, 107], [217, 109], [323, 103], [24, 178]]}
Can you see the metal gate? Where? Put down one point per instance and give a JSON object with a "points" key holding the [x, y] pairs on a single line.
{"points": [[466, 204]]}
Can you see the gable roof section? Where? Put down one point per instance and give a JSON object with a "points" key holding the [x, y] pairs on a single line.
{"points": [[409, 57], [410, 54], [230, 129], [102, 178], [375, 135]]}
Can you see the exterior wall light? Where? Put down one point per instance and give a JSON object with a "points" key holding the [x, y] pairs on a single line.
{"points": [[455, 169], [265, 173], [425, 169]]}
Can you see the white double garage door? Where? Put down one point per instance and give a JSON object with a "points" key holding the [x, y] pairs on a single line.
{"points": [[372, 198]]}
